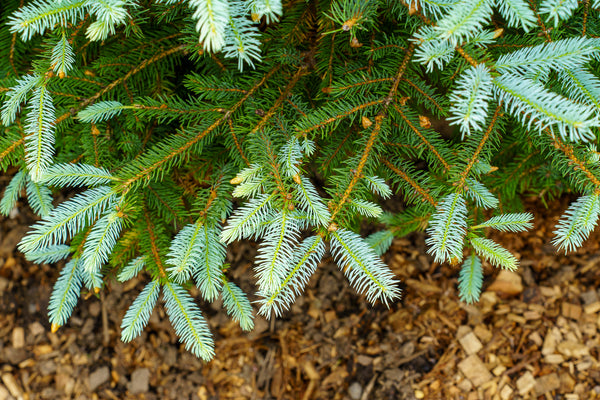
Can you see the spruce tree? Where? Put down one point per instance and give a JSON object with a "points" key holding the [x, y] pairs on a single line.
{"points": [[179, 127]]}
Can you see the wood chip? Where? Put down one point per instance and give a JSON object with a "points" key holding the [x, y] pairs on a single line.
{"points": [[552, 337], [506, 392], [470, 343], [592, 308], [573, 349], [546, 384], [465, 385], [483, 333], [4, 395], [12, 385], [536, 338], [570, 310], [475, 370], [507, 282], [422, 286], [18, 337], [554, 359], [525, 383]]}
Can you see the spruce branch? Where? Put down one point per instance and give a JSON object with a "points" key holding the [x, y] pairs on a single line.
{"points": [[39, 142], [576, 223], [470, 279], [12, 192], [510, 222], [447, 229], [533, 104], [305, 259], [49, 255], [65, 294], [363, 268], [188, 322], [138, 314], [494, 253], [237, 305]]}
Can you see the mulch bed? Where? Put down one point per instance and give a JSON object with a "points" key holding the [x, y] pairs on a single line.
{"points": [[534, 334]]}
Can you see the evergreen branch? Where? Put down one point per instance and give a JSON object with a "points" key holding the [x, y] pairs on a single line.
{"points": [[153, 245], [482, 196], [212, 17], [362, 267], [276, 251], [475, 157], [517, 12], [40, 15], [494, 253], [100, 242], [185, 252], [138, 314], [12, 193], [470, 99], [366, 208], [16, 96], [65, 294], [306, 258], [427, 143], [464, 20], [310, 202], [447, 229], [289, 156], [11, 148], [378, 186], [132, 269], [576, 223], [581, 86], [101, 111], [380, 241], [340, 116], [237, 305], [561, 55], [558, 9], [237, 142], [39, 142], [68, 218], [183, 149], [284, 95], [528, 99], [246, 221], [62, 175], [470, 279], [62, 56], [155, 58], [579, 164], [39, 197], [512, 222], [49, 255], [241, 37], [188, 322], [208, 275], [420, 190]]}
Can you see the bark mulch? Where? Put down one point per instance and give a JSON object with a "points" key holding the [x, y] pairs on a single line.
{"points": [[533, 335]]}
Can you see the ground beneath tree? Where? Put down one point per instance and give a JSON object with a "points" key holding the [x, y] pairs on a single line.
{"points": [[534, 333]]}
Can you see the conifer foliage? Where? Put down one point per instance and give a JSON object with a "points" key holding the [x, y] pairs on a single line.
{"points": [[176, 128]]}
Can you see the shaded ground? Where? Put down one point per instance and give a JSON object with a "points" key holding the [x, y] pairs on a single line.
{"points": [[533, 335]]}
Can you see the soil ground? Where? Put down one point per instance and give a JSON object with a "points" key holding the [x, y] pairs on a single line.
{"points": [[533, 335]]}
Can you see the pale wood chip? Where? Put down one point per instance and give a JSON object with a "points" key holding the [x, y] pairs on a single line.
{"points": [[475, 370]]}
